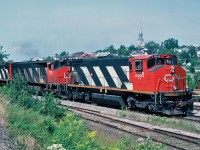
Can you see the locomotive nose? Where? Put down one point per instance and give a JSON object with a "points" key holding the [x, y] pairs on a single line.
{"points": [[170, 79]]}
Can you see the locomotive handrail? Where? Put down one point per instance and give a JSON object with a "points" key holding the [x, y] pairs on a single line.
{"points": [[159, 81]]}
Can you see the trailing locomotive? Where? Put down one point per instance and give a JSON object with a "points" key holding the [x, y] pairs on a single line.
{"points": [[155, 82]]}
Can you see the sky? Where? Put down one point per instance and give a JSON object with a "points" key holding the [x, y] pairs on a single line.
{"points": [[41, 28]]}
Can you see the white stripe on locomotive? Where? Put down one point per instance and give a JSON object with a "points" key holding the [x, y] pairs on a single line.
{"points": [[100, 76], [126, 71], [2, 70], [88, 76], [114, 76], [1, 77]]}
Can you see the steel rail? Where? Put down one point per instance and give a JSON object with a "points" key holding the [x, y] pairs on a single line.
{"points": [[183, 138]]}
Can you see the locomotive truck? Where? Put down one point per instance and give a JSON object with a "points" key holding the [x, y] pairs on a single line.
{"points": [[154, 82]]}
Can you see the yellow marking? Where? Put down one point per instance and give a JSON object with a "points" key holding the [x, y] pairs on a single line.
{"points": [[176, 94], [108, 88]]}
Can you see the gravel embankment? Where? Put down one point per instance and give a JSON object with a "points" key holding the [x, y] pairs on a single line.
{"points": [[5, 141]]}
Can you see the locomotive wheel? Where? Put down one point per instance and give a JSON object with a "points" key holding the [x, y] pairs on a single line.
{"points": [[74, 97], [131, 103], [151, 108], [70, 95], [87, 98]]}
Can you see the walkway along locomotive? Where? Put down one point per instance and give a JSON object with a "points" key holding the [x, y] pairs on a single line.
{"points": [[155, 82]]}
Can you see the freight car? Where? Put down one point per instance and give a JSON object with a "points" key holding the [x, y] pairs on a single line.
{"points": [[155, 82]]}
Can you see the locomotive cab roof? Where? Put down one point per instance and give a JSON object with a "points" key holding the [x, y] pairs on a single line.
{"points": [[142, 57]]}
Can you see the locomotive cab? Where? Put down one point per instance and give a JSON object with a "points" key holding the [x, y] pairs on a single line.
{"points": [[59, 72], [157, 73], [160, 77]]}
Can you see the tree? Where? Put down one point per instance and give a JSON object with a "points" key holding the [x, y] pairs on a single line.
{"points": [[122, 51], [3, 55], [111, 49], [190, 82], [170, 43], [192, 52], [191, 69], [49, 58], [184, 55], [131, 48], [64, 54], [167, 51], [152, 46]]}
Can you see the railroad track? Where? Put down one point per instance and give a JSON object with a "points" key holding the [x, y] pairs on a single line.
{"points": [[170, 139], [196, 107], [194, 119]]}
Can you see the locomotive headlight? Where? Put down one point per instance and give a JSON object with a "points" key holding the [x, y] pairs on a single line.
{"points": [[172, 69]]}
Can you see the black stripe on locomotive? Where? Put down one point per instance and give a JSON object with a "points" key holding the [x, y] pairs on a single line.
{"points": [[102, 63]]}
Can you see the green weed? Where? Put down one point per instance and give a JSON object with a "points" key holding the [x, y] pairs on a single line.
{"points": [[123, 112]]}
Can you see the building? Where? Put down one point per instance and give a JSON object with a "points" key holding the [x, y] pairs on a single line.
{"points": [[102, 54], [140, 40], [197, 68], [87, 55], [180, 50], [76, 55]]}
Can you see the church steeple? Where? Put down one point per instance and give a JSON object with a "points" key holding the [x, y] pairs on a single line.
{"points": [[140, 41]]}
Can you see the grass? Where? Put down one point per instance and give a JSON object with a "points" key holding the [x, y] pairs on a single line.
{"points": [[31, 130], [174, 123], [25, 126], [161, 121], [123, 112], [197, 99]]}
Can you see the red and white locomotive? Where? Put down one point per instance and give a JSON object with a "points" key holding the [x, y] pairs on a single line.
{"points": [[155, 82]]}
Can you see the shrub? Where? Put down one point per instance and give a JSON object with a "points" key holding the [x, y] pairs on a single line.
{"points": [[20, 93], [51, 106], [73, 134], [29, 124]]}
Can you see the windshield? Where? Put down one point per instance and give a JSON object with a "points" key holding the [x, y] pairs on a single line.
{"points": [[171, 61], [160, 61], [151, 62]]}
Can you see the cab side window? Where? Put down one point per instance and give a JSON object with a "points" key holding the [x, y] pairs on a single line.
{"points": [[138, 65], [168, 61], [150, 63]]}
